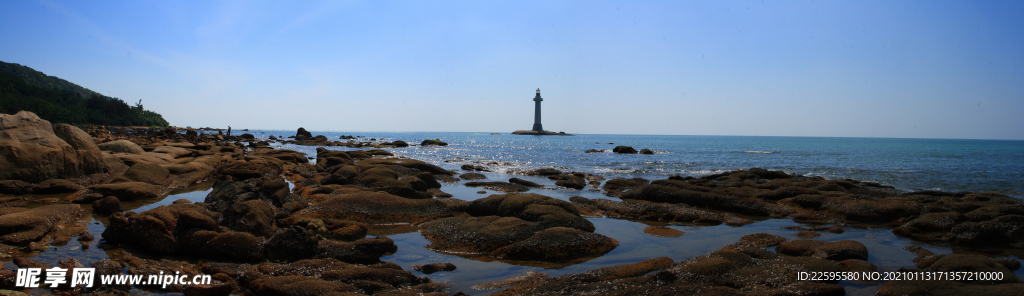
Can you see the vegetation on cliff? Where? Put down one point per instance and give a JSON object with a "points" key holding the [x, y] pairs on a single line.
{"points": [[60, 101]]}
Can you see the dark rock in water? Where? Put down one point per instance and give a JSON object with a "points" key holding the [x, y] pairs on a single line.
{"points": [[544, 172], [518, 226], [615, 187], [15, 187], [762, 240], [662, 231], [624, 150], [662, 212], [247, 136], [836, 251], [319, 138], [479, 168], [524, 183], [557, 243], [160, 230], [434, 267], [728, 271], [435, 142], [574, 183], [595, 151], [57, 186], [661, 193], [646, 151], [498, 186], [127, 191], [107, 206], [472, 176], [303, 135], [476, 234], [379, 208]]}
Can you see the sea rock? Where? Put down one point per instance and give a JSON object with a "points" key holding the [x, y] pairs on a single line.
{"points": [[148, 173], [518, 226], [15, 187], [22, 227], [662, 231], [615, 187], [472, 176], [127, 191], [739, 269], [160, 230], [31, 152], [524, 183], [89, 156], [498, 186], [253, 167], [107, 206], [434, 267], [646, 151], [836, 251], [303, 135], [380, 208], [651, 211], [252, 216], [435, 142], [624, 150], [557, 243], [53, 186], [661, 193], [121, 146]]}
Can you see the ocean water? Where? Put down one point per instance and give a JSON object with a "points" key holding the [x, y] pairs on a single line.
{"points": [[907, 164]]}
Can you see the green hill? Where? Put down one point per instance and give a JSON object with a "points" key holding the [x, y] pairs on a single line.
{"points": [[60, 101]]}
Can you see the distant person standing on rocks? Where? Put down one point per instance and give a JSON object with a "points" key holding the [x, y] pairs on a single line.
{"points": [[229, 130]]}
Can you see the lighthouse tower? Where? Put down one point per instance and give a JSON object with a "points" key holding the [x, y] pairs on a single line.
{"points": [[536, 115]]}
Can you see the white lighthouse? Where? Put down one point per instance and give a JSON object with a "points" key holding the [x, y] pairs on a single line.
{"points": [[536, 113]]}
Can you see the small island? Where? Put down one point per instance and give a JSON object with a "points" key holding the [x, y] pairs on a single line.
{"points": [[538, 128]]}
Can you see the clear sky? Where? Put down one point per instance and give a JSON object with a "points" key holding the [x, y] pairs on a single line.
{"points": [[929, 69]]}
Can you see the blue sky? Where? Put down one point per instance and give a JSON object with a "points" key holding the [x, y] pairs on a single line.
{"points": [[929, 69]]}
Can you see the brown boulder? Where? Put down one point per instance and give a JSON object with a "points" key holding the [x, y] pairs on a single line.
{"points": [[30, 151], [121, 146], [160, 230], [107, 206], [378, 208], [89, 155], [23, 227], [57, 186], [556, 244], [128, 191], [15, 187], [148, 173]]}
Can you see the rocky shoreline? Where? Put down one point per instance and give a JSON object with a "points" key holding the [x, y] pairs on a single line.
{"points": [[277, 224]]}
